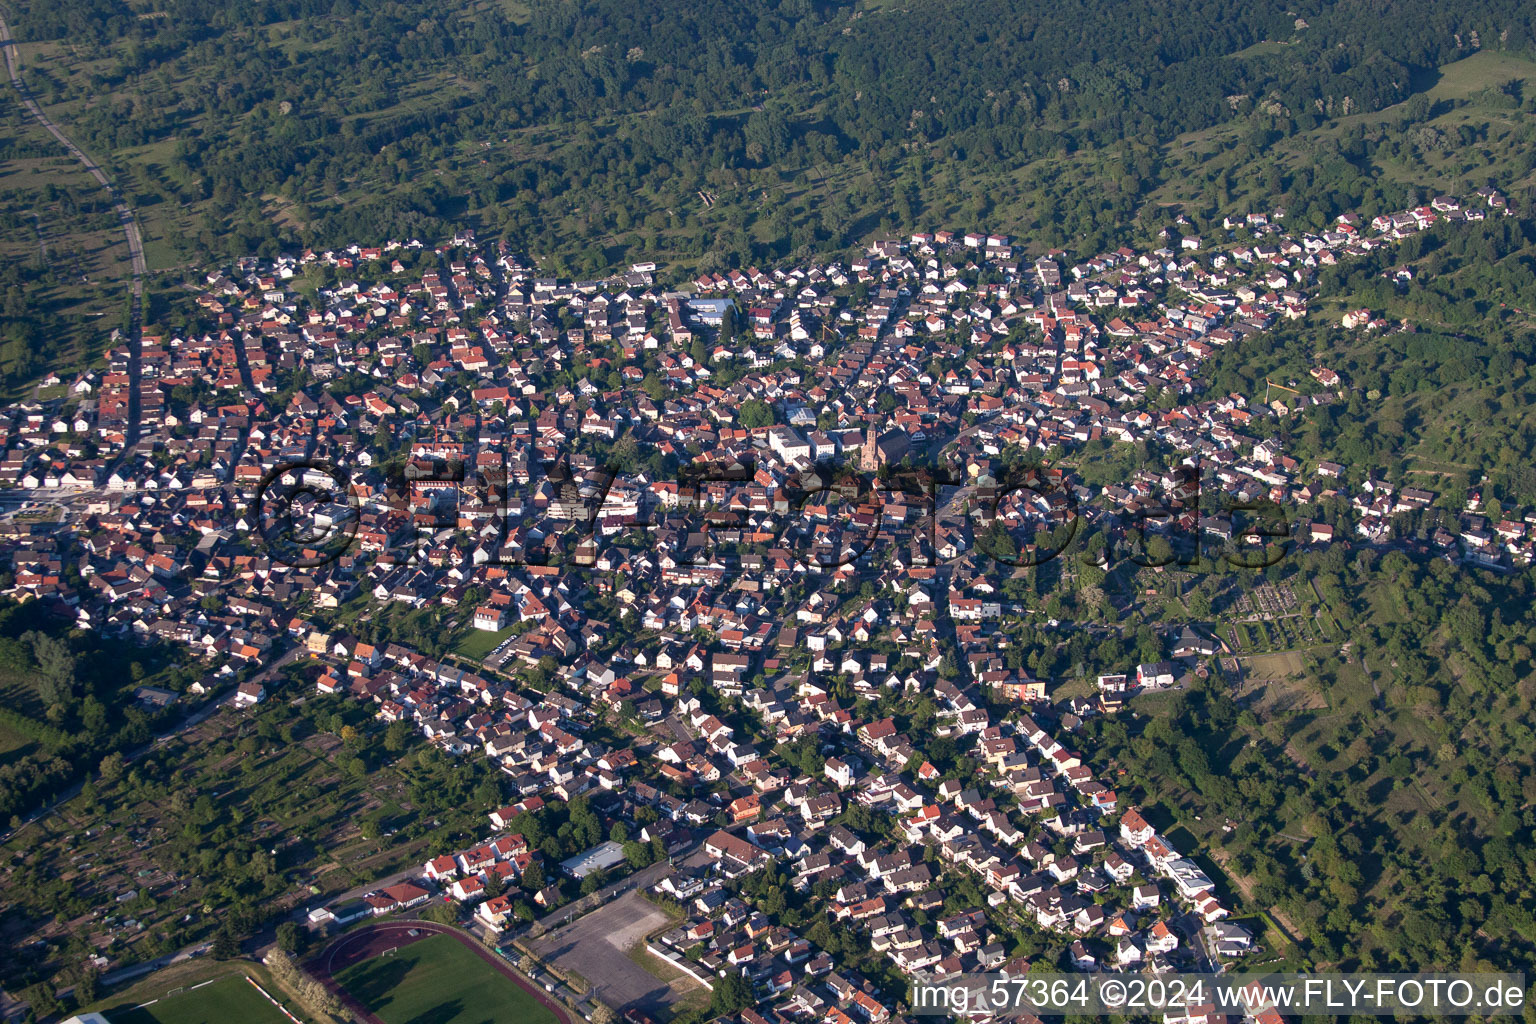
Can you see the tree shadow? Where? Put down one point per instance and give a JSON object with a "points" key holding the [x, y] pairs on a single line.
{"points": [[443, 1013], [370, 983]]}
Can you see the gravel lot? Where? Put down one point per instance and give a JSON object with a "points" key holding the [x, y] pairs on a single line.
{"points": [[595, 946]]}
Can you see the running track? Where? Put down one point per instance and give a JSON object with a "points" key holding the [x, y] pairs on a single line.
{"points": [[372, 940]]}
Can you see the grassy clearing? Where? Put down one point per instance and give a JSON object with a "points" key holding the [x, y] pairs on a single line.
{"points": [[656, 966], [1278, 683], [1483, 70], [481, 642], [13, 743]]}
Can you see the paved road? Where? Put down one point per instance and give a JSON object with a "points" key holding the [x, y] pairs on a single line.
{"points": [[125, 216], [129, 973]]}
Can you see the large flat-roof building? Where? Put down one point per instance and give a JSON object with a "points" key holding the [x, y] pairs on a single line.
{"points": [[600, 858]]}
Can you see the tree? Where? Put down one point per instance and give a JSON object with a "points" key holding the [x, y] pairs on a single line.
{"points": [[441, 913], [93, 715], [396, 736], [602, 1013], [55, 665], [488, 793], [1159, 551], [225, 945], [43, 1000], [755, 413], [290, 937], [732, 994]]}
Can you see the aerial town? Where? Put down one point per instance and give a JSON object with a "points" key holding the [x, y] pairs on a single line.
{"points": [[750, 512]]}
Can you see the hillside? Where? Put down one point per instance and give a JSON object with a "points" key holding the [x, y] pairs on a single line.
{"points": [[587, 130], [592, 134]]}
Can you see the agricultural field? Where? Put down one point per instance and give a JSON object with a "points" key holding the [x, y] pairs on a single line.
{"points": [[439, 980]]}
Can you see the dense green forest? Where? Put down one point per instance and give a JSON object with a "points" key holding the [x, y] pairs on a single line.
{"points": [[66, 703], [587, 129]]}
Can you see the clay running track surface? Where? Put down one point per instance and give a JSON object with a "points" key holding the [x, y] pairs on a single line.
{"points": [[374, 939]]}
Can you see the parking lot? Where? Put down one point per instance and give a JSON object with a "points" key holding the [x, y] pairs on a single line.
{"points": [[596, 946]]}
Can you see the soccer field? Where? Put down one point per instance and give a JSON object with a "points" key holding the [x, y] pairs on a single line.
{"points": [[230, 1000], [438, 981]]}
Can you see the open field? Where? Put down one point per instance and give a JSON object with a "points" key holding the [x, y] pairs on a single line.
{"points": [[439, 980], [13, 742], [1461, 80], [1277, 682], [227, 1000]]}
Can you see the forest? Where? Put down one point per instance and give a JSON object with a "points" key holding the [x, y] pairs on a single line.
{"points": [[66, 704], [588, 129]]}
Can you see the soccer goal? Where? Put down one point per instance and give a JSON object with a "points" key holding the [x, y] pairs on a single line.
{"points": [[390, 951]]}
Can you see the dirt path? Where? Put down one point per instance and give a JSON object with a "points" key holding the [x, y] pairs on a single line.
{"points": [[125, 216]]}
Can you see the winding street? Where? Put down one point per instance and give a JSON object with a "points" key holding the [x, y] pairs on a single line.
{"points": [[125, 216]]}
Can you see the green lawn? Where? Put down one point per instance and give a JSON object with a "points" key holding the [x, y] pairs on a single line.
{"points": [[438, 981], [230, 1000], [481, 642], [14, 744]]}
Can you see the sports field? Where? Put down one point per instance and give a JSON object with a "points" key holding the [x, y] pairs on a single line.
{"points": [[231, 1000], [439, 981]]}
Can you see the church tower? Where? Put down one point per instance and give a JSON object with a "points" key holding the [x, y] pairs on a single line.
{"points": [[869, 458]]}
